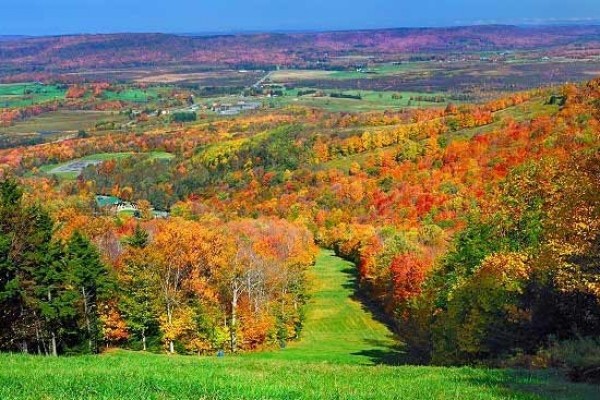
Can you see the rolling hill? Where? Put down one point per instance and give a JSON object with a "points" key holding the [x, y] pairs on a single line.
{"points": [[77, 52]]}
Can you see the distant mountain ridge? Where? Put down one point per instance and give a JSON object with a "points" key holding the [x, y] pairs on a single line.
{"points": [[5, 38], [53, 54]]}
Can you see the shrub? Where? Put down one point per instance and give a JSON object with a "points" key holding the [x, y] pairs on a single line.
{"points": [[579, 357]]}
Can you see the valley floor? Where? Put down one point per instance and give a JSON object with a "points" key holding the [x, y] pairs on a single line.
{"points": [[344, 354]]}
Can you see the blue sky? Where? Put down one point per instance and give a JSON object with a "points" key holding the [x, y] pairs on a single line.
{"points": [[42, 17]]}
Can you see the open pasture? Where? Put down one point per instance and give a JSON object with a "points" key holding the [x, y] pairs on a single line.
{"points": [[369, 71], [27, 94], [62, 121], [134, 94], [201, 78], [369, 100]]}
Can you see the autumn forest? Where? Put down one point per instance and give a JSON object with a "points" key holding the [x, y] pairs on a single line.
{"points": [[378, 206]]}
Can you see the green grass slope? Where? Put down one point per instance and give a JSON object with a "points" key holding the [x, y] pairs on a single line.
{"points": [[338, 358], [337, 327]]}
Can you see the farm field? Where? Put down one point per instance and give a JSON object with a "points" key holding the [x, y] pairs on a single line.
{"points": [[370, 100], [203, 75], [482, 78], [339, 356], [133, 94], [62, 121], [370, 72], [218, 77], [26, 94]]}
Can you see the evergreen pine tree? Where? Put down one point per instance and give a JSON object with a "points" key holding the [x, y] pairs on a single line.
{"points": [[139, 280], [93, 281]]}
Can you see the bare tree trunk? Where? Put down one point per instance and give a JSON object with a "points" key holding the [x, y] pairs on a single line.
{"points": [[37, 339], [45, 347], [233, 327], [87, 319], [144, 338], [54, 347], [170, 319]]}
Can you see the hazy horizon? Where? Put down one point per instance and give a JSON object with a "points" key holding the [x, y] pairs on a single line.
{"points": [[60, 17], [558, 23]]}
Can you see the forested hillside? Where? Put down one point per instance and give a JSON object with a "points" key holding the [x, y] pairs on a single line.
{"points": [[79, 52], [473, 227], [200, 285]]}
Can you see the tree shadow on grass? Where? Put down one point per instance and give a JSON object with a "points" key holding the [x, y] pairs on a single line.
{"points": [[386, 352], [504, 383], [368, 305], [549, 384]]}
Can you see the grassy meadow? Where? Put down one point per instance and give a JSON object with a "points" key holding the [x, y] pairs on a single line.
{"points": [[26, 94], [344, 353], [337, 329], [62, 170], [370, 100], [30, 93], [134, 94], [123, 375]]}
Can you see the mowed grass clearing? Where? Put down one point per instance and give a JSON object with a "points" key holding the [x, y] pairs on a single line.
{"points": [[328, 363], [523, 112], [337, 328], [526, 111], [62, 170], [126, 376]]}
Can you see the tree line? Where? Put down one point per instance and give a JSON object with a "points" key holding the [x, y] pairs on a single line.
{"points": [[171, 285]]}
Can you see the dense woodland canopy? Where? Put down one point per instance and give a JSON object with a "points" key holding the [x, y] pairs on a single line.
{"points": [[202, 286], [477, 236]]}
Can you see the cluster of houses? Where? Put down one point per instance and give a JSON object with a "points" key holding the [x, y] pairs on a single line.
{"points": [[219, 108], [234, 109], [116, 206]]}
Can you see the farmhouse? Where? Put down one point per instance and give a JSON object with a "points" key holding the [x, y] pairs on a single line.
{"points": [[114, 205]]}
